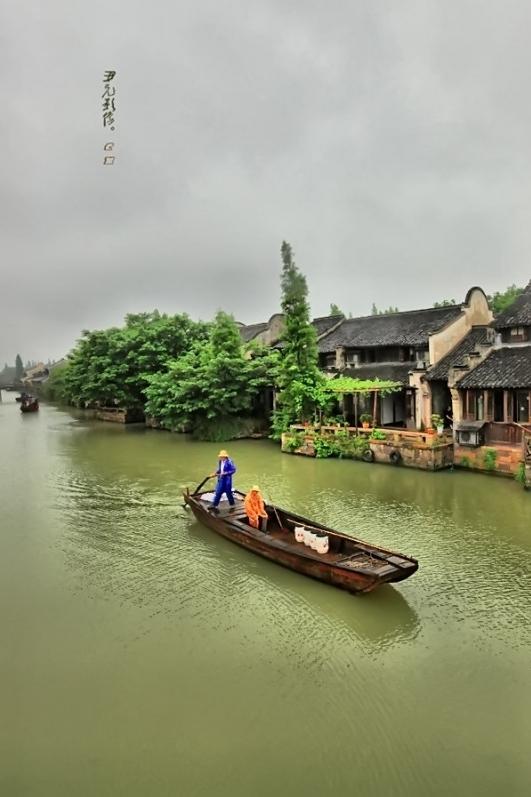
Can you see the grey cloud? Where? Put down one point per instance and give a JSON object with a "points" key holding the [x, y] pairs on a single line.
{"points": [[387, 141]]}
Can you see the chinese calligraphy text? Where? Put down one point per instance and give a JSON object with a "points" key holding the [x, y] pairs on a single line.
{"points": [[108, 112]]}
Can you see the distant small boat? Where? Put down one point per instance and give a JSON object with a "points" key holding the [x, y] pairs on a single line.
{"points": [[22, 397], [332, 557], [29, 404]]}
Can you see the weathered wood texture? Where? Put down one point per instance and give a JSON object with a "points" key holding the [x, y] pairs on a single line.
{"points": [[350, 564]]}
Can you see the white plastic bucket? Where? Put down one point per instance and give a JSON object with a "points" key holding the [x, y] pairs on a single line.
{"points": [[307, 536], [299, 533], [313, 541]]}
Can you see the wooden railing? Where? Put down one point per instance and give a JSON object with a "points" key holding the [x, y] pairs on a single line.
{"points": [[526, 446], [391, 434], [510, 434]]}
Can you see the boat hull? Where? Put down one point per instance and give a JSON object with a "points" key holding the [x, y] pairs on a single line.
{"points": [[34, 407], [298, 557]]}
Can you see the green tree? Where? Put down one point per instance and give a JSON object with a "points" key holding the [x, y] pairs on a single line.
{"points": [[298, 375], [19, 368], [501, 301], [216, 382], [112, 366], [445, 303], [54, 389], [390, 310], [334, 310]]}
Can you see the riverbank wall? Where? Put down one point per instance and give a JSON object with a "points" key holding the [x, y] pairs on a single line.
{"points": [[117, 415], [502, 460], [412, 450]]}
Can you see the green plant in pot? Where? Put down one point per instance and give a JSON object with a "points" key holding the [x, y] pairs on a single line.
{"points": [[437, 423], [366, 420]]}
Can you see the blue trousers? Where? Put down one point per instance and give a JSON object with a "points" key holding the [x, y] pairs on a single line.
{"points": [[223, 487]]}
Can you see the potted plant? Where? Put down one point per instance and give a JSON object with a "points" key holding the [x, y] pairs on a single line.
{"points": [[366, 420], [437, 422]]}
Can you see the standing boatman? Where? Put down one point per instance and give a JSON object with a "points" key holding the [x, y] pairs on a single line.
{"points": [[225, 471]]}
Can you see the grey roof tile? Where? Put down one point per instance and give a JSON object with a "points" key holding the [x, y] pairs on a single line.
{"points": [[251, 331], [411, 328], [476, 336], [507, 367]]}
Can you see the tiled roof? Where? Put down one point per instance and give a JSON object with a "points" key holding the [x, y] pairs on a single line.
{"points": [[411, 328], [321, 325], [383, 371], [251, 331], [507, 367], [518, 313], [476, 337], [325, 323]]}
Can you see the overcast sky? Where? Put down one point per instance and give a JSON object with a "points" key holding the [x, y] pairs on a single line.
{"points": [[388, 140]]}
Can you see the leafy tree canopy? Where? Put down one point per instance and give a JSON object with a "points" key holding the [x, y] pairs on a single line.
{"points": [[111, 367], [218, 378], [500, 301], [445, 303], [19, 368], [390, 309]]}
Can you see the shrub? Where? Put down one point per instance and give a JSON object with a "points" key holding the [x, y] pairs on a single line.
{"points": [[377, 434], [226, 428], [489, 459], [465, 462], [294, 441], [325, 447], [520, 475]]}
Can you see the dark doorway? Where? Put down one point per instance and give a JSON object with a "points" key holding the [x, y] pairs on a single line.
{"points": [[498, 406]]}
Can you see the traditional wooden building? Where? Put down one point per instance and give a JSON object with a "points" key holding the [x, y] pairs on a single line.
{"points": [[402, 347], [492, 388], [269, 332]]}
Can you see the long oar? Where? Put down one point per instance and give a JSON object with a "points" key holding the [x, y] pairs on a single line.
{"points": [[185, 506], [202, 483], [273, 507]]}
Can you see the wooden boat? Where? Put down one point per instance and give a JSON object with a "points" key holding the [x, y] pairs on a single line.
{"points": [[349, 564], [29, 404]]}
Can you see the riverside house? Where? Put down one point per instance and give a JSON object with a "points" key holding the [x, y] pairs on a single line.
{"points": [[402, 347], [491, 391]]}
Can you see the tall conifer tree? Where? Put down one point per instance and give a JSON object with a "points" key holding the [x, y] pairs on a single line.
{"points": [[299, 376], [19, 368]]}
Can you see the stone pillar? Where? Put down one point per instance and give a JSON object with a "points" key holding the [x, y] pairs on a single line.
{"points": [[340, 358], [456, 405]]}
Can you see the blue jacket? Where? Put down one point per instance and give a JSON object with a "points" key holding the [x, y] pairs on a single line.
{"points": [[226, 478]]}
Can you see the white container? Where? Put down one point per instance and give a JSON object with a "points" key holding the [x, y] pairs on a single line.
{"points": [[314, 541], [307, 537], [299, 533], [322, 545]]}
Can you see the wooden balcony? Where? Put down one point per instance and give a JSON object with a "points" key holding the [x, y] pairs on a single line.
{"points": [[509, 434]]}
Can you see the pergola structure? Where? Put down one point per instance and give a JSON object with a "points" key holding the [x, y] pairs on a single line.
{"points": [[346, 385]]}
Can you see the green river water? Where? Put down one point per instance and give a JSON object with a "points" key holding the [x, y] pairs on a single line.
{"points": [[143, 655]]}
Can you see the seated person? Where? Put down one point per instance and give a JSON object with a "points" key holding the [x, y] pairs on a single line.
{"points": [[254, 507]]}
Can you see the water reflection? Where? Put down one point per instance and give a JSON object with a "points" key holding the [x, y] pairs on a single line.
{"points": [[381, 618], [130, 621]]}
